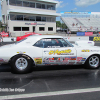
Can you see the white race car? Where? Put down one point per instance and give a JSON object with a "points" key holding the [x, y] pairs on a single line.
{"points": [[49, 50]]}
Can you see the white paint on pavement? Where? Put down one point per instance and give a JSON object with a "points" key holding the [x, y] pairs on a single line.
{"points": [[55, 93]]}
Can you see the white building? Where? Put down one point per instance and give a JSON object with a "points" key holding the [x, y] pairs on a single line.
{"points": [[23, 16]]}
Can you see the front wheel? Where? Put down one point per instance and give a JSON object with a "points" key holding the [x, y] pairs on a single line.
{"points": [[21, 64], [93, 62]]}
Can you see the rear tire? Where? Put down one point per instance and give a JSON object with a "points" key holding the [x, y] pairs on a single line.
{"points": [[93, 62], [21, 64]]}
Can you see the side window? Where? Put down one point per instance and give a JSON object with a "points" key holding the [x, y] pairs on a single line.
{"points": [[64, 43], [51, 43], [39, 44], [54, 43]]}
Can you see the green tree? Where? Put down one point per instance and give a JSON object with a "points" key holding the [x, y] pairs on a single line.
{"points": [[58, 24], [62, 25]]}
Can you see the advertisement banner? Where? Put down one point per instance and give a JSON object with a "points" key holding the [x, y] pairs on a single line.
{"points": [[88, 33], [80, 33], [4, 34], [96, 39], [29, 33]]}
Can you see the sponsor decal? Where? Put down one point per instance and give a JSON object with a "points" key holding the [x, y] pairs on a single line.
{"points": [[71, 62], [51, 60], [95, 50], [47, 64], [62, 52], [86, 50], [90, 50], [83, 59], [79, 59], [38, 60], [96, 39], [47, 60], [73, 58], [34, 23], [62, 60], [89, 42]]}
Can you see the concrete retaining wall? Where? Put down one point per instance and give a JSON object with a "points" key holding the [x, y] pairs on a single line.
{"points": [[76, 38]]}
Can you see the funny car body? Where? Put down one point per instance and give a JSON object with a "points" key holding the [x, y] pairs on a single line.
{"points": [[48, 50]]}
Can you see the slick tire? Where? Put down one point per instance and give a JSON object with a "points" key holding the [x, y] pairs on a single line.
{"points": [[21, 64], [93, 62]]}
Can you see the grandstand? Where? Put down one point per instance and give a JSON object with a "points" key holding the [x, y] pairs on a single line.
{"points": [[82, 22]]}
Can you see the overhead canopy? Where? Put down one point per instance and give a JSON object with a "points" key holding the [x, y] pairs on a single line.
{"points": [[50, 1], [34, 12]]}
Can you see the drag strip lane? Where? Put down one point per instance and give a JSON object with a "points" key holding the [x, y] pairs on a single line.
{"points": [[55, 93]]}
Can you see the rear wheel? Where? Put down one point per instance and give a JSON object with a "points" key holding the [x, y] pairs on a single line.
{"points": [[93, 62], [21, 64]]}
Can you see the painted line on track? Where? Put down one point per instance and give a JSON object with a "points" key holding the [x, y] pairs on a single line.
{"points": [[55, 93]]}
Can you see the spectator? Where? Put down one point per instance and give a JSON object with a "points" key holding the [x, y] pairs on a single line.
{"points": [[1, 39], [91, 28], [9, 34], [76, 24], [96, 30], [73, 24], [97, 33], [86, 30], [70, 33]]}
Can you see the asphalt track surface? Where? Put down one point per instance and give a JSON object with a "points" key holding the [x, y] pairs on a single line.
{"points": [[51, 83]]}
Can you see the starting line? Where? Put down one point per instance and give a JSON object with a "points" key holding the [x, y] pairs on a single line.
{"points": [[45, 94]]}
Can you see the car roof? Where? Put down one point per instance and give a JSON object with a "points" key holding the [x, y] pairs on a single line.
{"points": [[34, 38], [44, 36]]}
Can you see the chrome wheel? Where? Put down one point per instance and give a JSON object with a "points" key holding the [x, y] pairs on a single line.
{"points": [[94, 61], [21, 63]]}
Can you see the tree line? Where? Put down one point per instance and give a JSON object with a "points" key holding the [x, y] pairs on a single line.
{"points": [[61, 25]]}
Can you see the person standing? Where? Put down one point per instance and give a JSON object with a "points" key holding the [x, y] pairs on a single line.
{"points": [[1, 39], [70, 33]]}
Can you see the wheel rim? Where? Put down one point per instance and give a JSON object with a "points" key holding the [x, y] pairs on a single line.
{"points": [[21, 63], [94, 61]]}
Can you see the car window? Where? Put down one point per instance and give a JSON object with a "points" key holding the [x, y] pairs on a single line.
{"points": [[39, 44], [51, 43]]}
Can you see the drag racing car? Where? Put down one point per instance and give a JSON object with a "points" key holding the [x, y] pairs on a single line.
{"points": [[41, 50]]}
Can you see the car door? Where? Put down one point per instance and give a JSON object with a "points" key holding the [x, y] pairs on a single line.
{"points": [[57, 51]]}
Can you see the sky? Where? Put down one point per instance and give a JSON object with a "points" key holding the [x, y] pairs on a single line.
{"points": [[75, 5]]}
